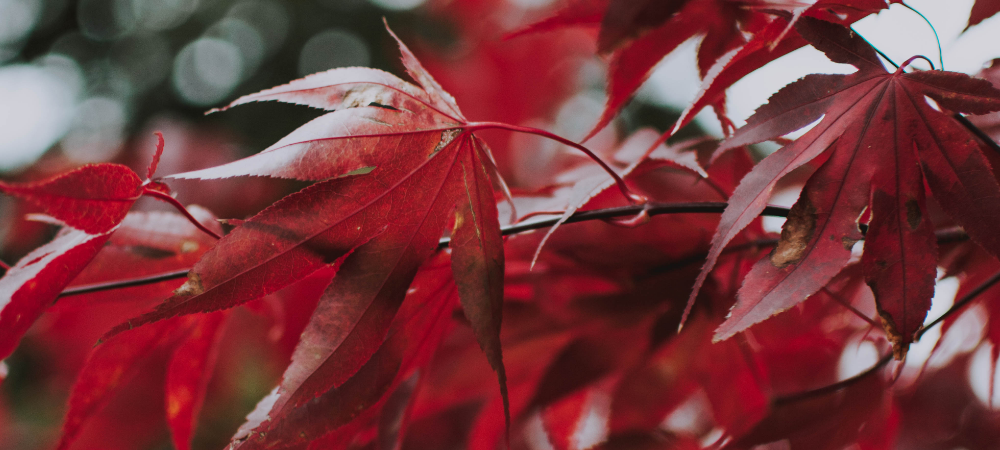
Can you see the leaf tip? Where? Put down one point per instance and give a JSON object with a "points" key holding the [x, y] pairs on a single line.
{"points": [[156, 156], [899, 344]]}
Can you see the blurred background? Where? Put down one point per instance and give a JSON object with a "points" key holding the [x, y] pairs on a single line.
{"points": [[88, 81]]}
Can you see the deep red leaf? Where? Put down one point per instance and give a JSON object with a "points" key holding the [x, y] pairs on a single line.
{"points": [[151, 170], [29, 287], [478, 260], [94, 198], [577, 12], [900, 249], [148, 243], [188, 374], [982, 10], [409, 167], [632, 65], [825, 422], [878, 125], [642, 33], [113, 363], [410, 342]]}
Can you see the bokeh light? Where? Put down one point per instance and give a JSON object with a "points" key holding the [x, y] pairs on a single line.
{"points": [[105, 20], [333, 48], [207, 70], [397, 5], [37, 108], [17, 18]]}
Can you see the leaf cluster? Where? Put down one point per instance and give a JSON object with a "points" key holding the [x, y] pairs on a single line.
{"points": [[413, 308]]}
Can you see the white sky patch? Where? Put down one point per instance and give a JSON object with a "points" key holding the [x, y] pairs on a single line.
{"points": [[786, 198], [980, 369], [593, 426], [921, 351], [675, 83], [962, 337], [535, 435], [900, 34], [857, 358], [746, 95], [688, 418]]}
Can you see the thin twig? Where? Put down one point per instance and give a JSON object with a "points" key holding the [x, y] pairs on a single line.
{"points": [[965, 300], [831, 388], [652, 208], [960, 303], [936, 38], [580, 216], [849, 306], [977, 131], [97, 287]]}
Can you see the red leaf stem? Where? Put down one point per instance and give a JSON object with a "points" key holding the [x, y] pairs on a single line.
{"points": [[632, 197], [176, 204]]}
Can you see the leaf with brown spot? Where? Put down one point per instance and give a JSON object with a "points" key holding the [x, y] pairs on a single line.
{"points": [[800, 225], [882, 140]]}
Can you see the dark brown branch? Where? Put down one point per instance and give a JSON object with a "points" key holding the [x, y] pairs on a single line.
{"points": [[959, 304], [651, 208], [849, 306], [97, 287], [831, 388], [977, 131], [581, 216]]}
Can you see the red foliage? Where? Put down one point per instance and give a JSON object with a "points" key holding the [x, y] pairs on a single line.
{"points": [[408, 305]]}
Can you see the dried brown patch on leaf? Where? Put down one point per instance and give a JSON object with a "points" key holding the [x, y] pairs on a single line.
{"points": [[795, 234], [193, 285], [446, 137], [892, 334]]}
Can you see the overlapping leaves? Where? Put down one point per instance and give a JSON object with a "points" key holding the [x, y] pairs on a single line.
{"points": [[90, 203], [738, 37], [882, 137], [397, 164]]}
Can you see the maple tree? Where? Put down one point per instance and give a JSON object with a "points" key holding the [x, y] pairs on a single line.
{"points": [[411, 306]]}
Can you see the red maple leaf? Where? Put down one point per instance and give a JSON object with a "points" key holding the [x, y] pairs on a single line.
{"points": [[888, 134], [398, 163]]}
